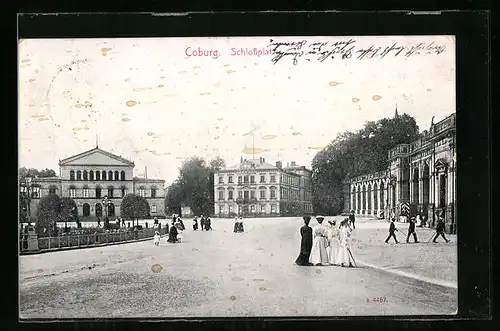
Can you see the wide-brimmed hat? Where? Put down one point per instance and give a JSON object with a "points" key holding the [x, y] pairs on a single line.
{"points": [[320, 217]]}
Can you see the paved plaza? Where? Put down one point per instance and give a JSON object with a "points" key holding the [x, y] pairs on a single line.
{"points": [[220, 273]]}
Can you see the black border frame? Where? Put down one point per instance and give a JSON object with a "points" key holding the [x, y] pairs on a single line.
{"points": [[472, 31]]}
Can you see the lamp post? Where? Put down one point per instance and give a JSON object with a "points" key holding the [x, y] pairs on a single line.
{"points": [[26, 192]]}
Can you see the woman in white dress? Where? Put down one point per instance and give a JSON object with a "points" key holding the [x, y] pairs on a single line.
{"points": [[334, 242], [319, 254], [179, 227], [344, 258]]}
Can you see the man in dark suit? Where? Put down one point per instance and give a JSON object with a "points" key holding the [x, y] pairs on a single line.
{"points": [[392, 229], [306, 243], [352, 219], [411, 230], [440, 230]]}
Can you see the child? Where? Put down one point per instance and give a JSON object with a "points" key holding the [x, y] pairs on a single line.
{"points": [[156, 239]]}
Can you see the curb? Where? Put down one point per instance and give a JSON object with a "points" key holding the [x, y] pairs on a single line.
{"points": [[414, 276]]}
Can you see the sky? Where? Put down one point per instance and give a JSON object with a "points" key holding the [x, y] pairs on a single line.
{"points": [[154, 102]]}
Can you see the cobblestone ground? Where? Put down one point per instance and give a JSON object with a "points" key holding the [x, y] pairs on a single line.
{"points": [[220, 273]]}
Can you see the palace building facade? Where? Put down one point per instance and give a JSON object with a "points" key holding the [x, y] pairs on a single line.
{"points": [[421, 177], [255, 187], [89, 177]]}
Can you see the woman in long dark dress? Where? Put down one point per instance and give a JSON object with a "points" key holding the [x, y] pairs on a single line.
{"points": [[172, 235], [306, 243]]}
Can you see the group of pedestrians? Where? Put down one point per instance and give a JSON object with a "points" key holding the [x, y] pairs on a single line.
{"points": [[205, 222], [440, 227], [326, 244]]}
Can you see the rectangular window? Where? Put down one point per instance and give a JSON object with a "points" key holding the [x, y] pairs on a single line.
{"points": [[221, 195], [72, 193], [153, 193], [240, 194], [153, 208], [262, 194], [230, 208], [221, 180], [262, 208], [246, 195], [85, 192], [239, 179], [273, 179], [142, 192], [221, 209], [98, 193], [230, 195], [230, 179], [273, 194], [252, 194], [110, 192], [273, 208], [252, 179], [124, 192], [245, 179], [262, 179], [252, 208]]}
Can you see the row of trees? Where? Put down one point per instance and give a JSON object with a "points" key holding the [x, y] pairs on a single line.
{"points": [[194, 187], [353, 154]]}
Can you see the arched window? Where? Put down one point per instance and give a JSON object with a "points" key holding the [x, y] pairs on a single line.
{"points": [[153, 192], [86, 210], [85, 175], [122, 177], [52, 189], [78, 175], [91, 175], [123, 190], [110, 175], [98, 210], [85, 191], [72, 191], [142, 191], [103, 175], [72, 175], [117, 175], [98, 192], [110, 191], [111, 209], [97, 175]]}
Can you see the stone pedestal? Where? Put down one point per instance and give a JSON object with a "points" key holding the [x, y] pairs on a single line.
{"points": [[32, 239]]}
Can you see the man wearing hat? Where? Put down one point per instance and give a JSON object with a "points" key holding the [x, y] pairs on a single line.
{"points": [[440, 230], [411, 230], [306, 242], [319, 254], [352, 219], [392, 230]]}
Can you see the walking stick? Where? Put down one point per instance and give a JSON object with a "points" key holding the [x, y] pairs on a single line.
{"points": [[430, 238], [352, 257]]}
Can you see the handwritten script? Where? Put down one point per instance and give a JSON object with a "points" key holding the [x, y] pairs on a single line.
{"points": [[346, 50]]}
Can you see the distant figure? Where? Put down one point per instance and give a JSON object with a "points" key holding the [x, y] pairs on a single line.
{"points": [[98, 222], [236, 225], [157, 238], [146, 225], [352, 219], [392, 229], [334, 242], [208, 224], [182, 224], [202, 222], [305, 243], [156, 220], [440, 230], [411, 230], [178, 225], [344, 255], [319, 254], [128, 224], [242, 228], [172, 235], [123, 222], [195, 224]]}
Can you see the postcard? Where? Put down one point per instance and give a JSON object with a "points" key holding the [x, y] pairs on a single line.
{"points": [[237, 177]]}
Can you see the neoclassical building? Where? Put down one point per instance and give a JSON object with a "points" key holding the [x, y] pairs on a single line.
{"points": [[90, 176], [421, 177], [255, 187]]}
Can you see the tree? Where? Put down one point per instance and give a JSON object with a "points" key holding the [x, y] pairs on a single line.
{"points": [[194, 180], [174, 198], [134, 207], [68, 211], [24, 200], [48, 212], [352, 154], [290, 208]]}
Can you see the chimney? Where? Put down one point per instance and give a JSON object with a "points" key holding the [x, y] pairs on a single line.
{"points": [[293, 164], [279, 164], [263, 160], [241, 159]]}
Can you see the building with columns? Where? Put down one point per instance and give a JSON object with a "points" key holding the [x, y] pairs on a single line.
{"points": [[258, 188], [90, 176], [421, 175]]}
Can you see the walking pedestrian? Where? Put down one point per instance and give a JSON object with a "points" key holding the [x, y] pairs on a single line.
{"points": [[319, 254], [344, 254], [305, 243], [440, 230], [352, 219], [411, 230], [392, 229]]}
